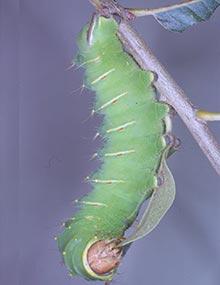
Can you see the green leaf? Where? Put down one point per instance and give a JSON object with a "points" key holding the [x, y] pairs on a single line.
{"points": [[160, 202], [179, 17]]}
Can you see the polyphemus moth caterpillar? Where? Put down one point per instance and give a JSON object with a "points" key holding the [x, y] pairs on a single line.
{"points": [[134, 130]]}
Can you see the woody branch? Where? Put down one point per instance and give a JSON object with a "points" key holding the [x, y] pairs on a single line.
{"points": [[165, 84]]}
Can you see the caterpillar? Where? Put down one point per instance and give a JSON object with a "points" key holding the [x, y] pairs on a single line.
{"points": [[133, 156]]}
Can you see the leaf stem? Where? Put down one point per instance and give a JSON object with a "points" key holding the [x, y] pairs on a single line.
{"points": [[208, 116], [140, 12]]}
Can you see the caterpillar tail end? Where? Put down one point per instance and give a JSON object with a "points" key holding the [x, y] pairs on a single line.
{"points": [[96, 259]]}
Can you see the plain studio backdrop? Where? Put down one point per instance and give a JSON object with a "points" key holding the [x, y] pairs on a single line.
{"points": [[46, 143]]}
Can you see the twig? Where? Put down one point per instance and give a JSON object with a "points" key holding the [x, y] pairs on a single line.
{"points": [[171, 93]]}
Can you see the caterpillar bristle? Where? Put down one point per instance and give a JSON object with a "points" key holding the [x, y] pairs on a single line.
{"points": [[96, 136], [81, 89], [94, 156], [70, 66]]}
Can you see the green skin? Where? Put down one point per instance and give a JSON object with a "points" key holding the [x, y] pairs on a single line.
{"points": [[131, 155]]}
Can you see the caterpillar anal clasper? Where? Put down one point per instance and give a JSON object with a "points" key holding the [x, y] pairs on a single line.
{"points": [[134, 149]]}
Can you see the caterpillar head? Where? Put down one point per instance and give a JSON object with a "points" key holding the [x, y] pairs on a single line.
{"points": [[96, 259], [103, 257]]}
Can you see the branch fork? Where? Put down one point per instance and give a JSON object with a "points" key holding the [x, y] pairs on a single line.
{"points": [[110, 7]]}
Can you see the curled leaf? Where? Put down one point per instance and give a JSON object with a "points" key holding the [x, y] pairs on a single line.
{"points": [[160, 202], [185, 15], [180, 16]]}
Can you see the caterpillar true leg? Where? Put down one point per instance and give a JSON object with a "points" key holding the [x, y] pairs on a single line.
{"points": [[173, 143]]}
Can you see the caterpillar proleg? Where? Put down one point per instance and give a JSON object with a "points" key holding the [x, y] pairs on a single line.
{"points": [[133, 156]]}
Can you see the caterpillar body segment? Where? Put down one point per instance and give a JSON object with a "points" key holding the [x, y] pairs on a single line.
{"points": [[133, 150]]}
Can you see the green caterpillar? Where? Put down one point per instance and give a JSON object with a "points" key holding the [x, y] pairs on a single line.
{"points": [[133, 156]]}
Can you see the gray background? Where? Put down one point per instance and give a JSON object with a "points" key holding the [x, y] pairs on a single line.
{"points": [[45, 148]]}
